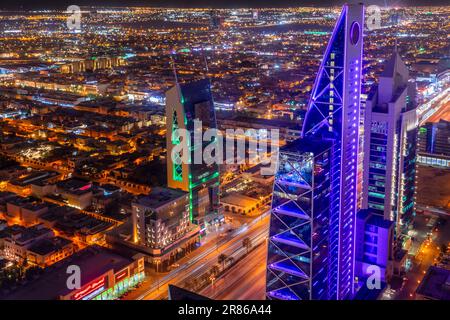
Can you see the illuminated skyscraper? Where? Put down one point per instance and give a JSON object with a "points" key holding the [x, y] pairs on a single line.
{"points": [[312, 228], [390, 146], [185, 103]]}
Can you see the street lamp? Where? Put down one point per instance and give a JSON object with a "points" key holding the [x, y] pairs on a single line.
{"points": [[212, 278]]}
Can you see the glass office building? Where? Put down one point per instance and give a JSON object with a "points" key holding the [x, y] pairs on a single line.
{"points": [[186, 103], [390, 146]]}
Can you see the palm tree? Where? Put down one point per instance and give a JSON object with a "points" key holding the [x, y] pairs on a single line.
{"points": [[230, 260], [195, 283], [214, 270], [247, 243], [188, 284], [221, 259], [204, 278]]}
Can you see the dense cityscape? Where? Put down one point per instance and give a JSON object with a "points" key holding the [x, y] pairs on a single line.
{"points": [[97, 201]]}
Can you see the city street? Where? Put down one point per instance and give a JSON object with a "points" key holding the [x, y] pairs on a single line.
{"points": [[425, 251], [245, 280], [201, 260], [421, 262]]}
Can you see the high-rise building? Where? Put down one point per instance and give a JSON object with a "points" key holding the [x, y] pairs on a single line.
{"points": [[434, 144], [390, 146], [185, 103], [434, 138], [361, 150], [311, 252]]}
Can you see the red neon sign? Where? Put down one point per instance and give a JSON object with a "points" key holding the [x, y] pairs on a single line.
{"points": [[121, 275], [89, 289], [86, 187]]}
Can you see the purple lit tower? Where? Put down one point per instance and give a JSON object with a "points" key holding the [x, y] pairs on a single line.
{"points": [[311, 254], [388, 193]]}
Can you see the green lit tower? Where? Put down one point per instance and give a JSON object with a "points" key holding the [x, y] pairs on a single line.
{"points": [[185, 103]]}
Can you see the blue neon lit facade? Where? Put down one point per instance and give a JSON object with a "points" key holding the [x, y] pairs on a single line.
{"points": [[316, 259], [299, 242]]}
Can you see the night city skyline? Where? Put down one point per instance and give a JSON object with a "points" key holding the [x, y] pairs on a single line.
{"points": [[50, 4], [224, 152]]}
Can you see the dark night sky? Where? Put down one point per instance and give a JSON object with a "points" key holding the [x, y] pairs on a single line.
{"points": [[62, 4]]}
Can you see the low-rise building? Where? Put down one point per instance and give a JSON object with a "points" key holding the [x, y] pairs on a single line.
{"points": [[46, 252], [17, 241], [4, 197], [105, 275], [26, 210], [12, 172], [238, 203], [37, 183], [374, 240], [70, 222], [76, 193], [435, 285]]}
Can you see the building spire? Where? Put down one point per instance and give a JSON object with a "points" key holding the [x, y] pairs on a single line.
{"points": [[174, 67], [206, 64]]}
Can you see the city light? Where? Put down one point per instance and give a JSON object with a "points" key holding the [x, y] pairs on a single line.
{"points": [[99, 110]]}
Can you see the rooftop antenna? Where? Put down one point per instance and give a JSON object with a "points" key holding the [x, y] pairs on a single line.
{"points": [[206, 62], [174, 67]]}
